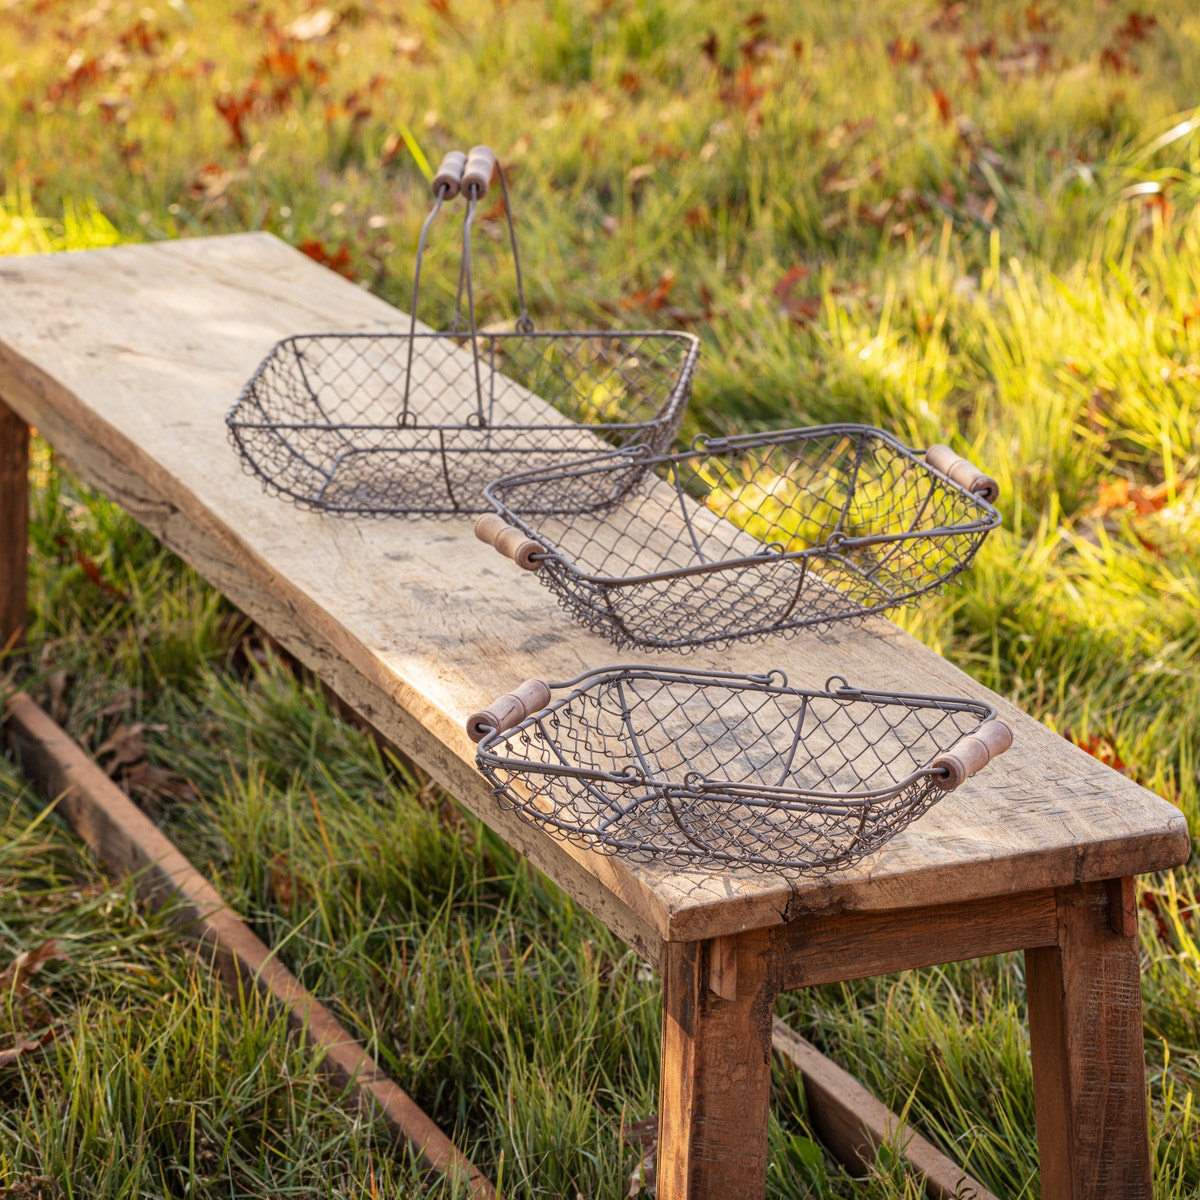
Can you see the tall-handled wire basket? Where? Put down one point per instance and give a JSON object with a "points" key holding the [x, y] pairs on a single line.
{"points": [[743, 537], [414, 423], [704, 768]]}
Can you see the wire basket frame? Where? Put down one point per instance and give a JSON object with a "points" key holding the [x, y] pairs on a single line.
{"points": [[414, 423], [744, 537], [691, 768]]}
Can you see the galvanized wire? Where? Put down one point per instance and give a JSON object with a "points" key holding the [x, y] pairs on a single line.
{"points": [[740, 538], [414, 424], [691, 768]]}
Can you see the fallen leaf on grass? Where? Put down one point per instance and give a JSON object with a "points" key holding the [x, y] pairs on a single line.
{"points": [[33, 1187], [235, 108], [1118, 494], [312, 26], [91, 570], [653, 298], [802, 309], [903, 50], [26, 1046], [145, 781], [339, 260], [1102, 749], [123, 701], [286, 885], [16, 976], [643, 1135], [127, 745], [56, 687]]}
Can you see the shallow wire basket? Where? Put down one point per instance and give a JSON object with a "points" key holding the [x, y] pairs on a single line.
{"points": [[743, 537], [414, 423], [690, 768]]}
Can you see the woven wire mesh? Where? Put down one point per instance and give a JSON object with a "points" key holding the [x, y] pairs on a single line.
{"points": [[745, 537], [414, 424], [323, 420], [687, 768]]}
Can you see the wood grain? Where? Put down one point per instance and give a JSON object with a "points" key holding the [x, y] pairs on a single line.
{"points": [[852, 1123], [14, 526], [1085, 1024], [127, 360], [128, 843], [811, 951], [1122, 906], [715, 1082]]}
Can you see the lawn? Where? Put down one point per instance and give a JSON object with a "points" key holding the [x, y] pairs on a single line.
{"points": [[975, 224]]}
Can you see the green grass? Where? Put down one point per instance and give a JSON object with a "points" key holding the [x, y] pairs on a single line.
{"points": [[967, 223]]}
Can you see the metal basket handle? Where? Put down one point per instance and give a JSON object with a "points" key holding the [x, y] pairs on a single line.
{"points": [[470, 176], [511, 709], [509, 541], [972, 753], [481, 163], [446, 185], [958, 470]]}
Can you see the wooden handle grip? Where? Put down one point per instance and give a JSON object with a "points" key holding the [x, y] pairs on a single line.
{"points": [[511, 542], [958, 470], [477, 176], [511, 709], [973, 753], [448, 180]]}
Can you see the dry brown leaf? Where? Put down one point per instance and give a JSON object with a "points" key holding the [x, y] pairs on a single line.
{"points": [[644, 1135], [312, 26], [146, 781], [32, 1186], [124, 700], [15, 977], [56, 686], [127, 745], [26, 1046], [286, 885]]}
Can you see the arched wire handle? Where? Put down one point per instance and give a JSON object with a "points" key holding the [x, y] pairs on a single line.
{"points": [[464, 275], [481, 163], [446, 185], [470, 176], [524, 322]]}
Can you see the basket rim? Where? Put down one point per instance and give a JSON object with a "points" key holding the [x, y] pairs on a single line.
{"points": [[703, 445], [694, 785], [675, 396]]}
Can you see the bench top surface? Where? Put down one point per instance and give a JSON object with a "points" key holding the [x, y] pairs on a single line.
{"points": [[128, 359]]}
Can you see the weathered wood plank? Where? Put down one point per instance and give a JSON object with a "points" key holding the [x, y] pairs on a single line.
{"points": [[14, 526], [811, 951], [853, 1124], [1089, 1072], [134, 354], [128, 843], [715, 1083]]}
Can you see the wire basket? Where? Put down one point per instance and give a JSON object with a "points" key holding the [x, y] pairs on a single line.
{"points": [[689, 768], [413, 424], [742, 537]]}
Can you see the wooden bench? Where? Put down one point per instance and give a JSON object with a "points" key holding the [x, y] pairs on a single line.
{"points": [[126, 360]]}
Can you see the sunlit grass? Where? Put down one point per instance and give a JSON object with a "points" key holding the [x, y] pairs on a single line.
{"points": [[975, 224]]}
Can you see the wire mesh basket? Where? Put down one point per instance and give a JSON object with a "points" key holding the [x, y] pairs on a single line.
{"points": [[694, 768], [742, 537], [413, 424]]}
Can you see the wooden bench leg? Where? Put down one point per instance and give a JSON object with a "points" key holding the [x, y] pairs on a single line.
{"points": [[716, 1070], [1089, 1072], [14, 526]]}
